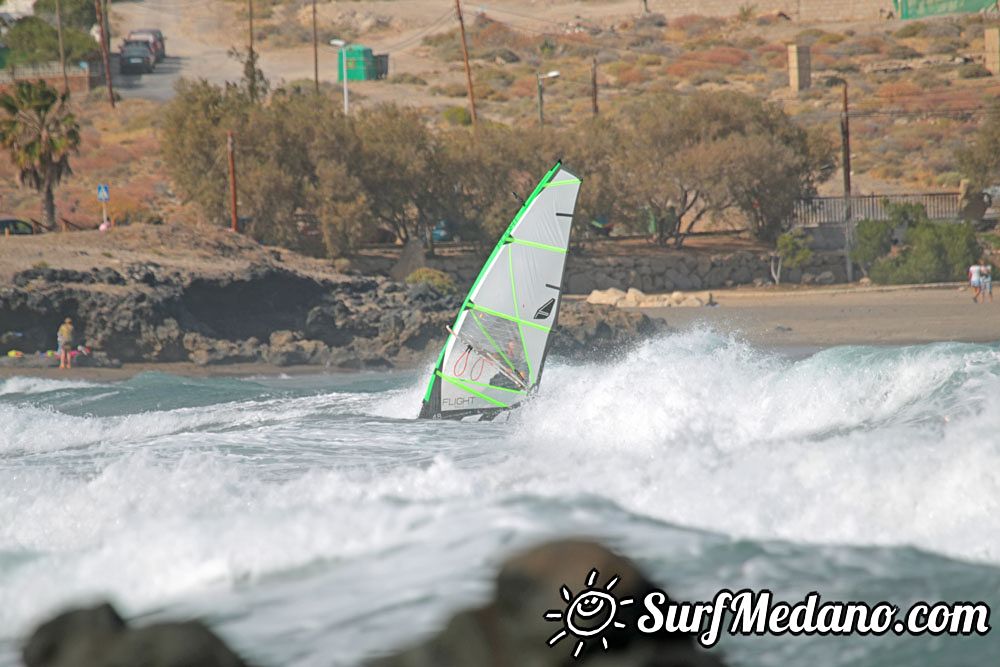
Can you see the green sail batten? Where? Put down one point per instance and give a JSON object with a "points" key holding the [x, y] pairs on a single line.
{"points": [[461, 385], [540, 246], [542, 184], [494, 343], [511, 318], [520, 330], [568, 181], [479, 384]]}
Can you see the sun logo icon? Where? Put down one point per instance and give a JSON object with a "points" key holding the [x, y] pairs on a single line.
{"points": [[588, 613]]}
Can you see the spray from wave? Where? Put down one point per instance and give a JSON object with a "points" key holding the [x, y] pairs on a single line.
{"points": [[160, 488]]}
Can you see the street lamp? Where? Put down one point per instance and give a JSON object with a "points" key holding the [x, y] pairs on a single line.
{"points": [[340, 44], [541, 103]]}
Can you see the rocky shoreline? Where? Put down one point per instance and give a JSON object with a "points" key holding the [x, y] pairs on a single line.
{"points": [[147, 312]]}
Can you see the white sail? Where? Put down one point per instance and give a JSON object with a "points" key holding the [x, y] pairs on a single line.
{"points": [[496, 350]]}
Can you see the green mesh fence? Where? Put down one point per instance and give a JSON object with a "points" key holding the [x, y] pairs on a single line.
{"points": [[915, 9]]}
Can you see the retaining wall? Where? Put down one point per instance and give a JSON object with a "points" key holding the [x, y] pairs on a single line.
{"points": [[662, 271]]}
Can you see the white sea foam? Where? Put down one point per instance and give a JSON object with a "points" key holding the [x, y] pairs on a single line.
{"points": [[850, 446], [31, 385]]}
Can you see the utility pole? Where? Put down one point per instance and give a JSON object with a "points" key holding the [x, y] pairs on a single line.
{"points": [[62, 50], [845, 145], [252, 74], [465, 56], [315, 51], [593, 84], [232, 180], [105, 58], [107, 23], [541, 103]]}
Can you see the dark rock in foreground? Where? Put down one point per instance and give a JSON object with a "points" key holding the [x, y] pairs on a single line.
{"points": [[512, 631], [99, 637], [264, 313]]}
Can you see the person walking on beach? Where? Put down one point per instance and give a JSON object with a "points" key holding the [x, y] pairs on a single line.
{"points": [[986, 280], [976, 281], [65, 339]]}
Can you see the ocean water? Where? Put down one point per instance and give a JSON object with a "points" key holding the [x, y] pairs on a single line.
{"points": [[313, 521]]}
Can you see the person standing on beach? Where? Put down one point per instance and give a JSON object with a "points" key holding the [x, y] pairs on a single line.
{"points": [[65, 339], [976, 281], [986, 279]]}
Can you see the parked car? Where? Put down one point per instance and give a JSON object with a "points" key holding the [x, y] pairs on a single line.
{"points": [[154, 37], [136, 57], [11, 225]]}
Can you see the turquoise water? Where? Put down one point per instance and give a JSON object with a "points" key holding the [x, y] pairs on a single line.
{"points": [[313, 521]]}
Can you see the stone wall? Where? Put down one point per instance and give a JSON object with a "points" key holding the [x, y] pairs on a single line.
{"points": [[662, 271]]}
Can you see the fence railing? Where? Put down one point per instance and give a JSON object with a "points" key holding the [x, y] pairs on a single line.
{"points": [[818, 211], [46, 71]]}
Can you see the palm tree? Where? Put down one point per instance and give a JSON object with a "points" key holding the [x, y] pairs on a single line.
{"points": [[39, 131]]}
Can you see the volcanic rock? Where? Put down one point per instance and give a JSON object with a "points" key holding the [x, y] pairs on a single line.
{"points": [[99, 637], [512, 628]]}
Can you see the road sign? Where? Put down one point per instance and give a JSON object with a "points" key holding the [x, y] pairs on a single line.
{"points": [[103, 193]]}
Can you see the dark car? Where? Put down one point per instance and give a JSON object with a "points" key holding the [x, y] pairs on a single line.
{"points": [[156, 39], [136, 57], [10, 225]]}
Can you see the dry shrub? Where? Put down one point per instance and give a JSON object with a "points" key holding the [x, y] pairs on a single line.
{"points": [[823, 61], [685, 69], [898, 89], [695, 25], [830, 38], [524, 86], [864, 46], [486, 34], [723, 55], [717, 60], [449, 90], [630, 76]]}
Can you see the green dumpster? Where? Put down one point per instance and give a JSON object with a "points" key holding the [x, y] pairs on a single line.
{"points": [[360, 63]]}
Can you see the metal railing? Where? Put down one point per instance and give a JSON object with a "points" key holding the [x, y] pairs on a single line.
{"points": [[818, 211], [46, 70]]}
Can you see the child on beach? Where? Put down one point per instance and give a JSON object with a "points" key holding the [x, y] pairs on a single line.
{"points": [[65, 339]]}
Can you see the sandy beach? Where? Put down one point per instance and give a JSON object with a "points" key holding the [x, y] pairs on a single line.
{"points": [[823, 317]]}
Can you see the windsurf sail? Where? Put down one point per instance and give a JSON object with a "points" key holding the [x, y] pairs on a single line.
{"points": [[495, 352]]}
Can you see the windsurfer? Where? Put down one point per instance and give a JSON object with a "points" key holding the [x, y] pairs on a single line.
{"points": [[512, 356]]}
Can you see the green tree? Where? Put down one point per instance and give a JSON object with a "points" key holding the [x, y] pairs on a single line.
{"points": [[872, 242], [712, 152], [399, 168], [288, 167], [39, 132], [33, 41], [934, 252], [482, 173], [79, 14], [791, 251], [194, 125]]}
